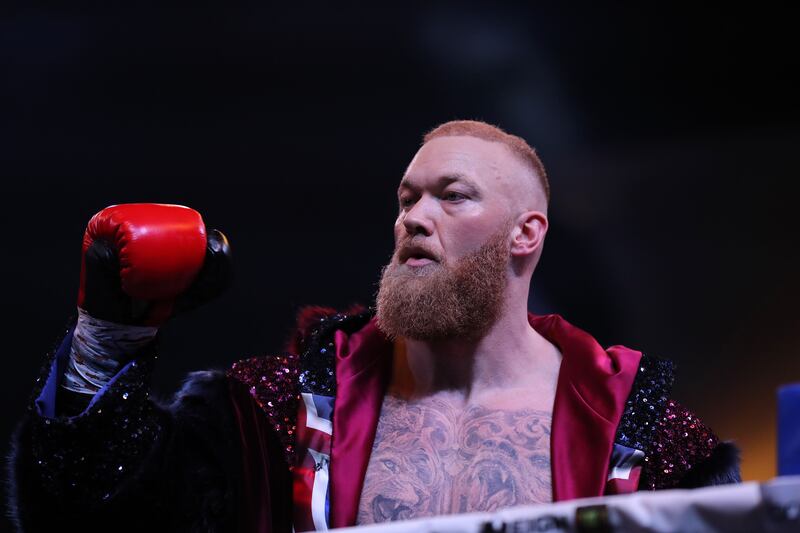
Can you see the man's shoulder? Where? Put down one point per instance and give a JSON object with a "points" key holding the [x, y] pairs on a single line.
{"points": [[680, 450], [673, 446], [276, 382], [684, 452], [315, 323], [310, 338]]}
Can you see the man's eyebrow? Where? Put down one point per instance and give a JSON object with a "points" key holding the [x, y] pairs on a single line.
{"points": [[442, 181]]}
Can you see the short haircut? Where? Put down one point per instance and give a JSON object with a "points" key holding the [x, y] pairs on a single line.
{"points": [[489, 132]]}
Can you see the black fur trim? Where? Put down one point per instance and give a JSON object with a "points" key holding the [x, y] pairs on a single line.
{"points": [[720, 468]]}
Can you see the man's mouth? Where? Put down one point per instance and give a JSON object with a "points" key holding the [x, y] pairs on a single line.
{"points": [[418, 261], [415, 256]]}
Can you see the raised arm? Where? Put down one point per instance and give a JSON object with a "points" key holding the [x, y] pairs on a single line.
{"points": [[93, 449]]}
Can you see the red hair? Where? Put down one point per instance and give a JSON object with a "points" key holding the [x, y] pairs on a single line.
{"points": [[488, 132]]}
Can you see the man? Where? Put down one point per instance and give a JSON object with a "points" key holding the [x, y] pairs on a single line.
{"points": [[450, 398], [465, 424]]}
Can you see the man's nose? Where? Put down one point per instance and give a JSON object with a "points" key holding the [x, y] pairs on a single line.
{"points": [[418, 220]]}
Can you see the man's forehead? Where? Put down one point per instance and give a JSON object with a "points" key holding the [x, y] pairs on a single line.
{"points": [[459, 157], [484, 165], [441, 180]]}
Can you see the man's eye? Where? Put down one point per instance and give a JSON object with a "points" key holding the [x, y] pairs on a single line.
{"points": [[453, 196], [405, 202]]}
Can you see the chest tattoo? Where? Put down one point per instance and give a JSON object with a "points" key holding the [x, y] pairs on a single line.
{"points": [[430, 458]]}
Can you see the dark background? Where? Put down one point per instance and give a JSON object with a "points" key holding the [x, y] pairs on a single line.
{"points": [[670, 136]]}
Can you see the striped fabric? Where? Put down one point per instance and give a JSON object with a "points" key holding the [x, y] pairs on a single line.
{"points": [[310, 475], [624, 470]]}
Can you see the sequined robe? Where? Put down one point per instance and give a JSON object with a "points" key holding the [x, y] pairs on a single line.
{"points": [[223, 456]]}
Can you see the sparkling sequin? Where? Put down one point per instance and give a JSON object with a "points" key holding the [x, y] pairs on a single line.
{"points": [[272, 381], [317, 360], [276, 381], [681, 442], [672, 438], [645, 403]]}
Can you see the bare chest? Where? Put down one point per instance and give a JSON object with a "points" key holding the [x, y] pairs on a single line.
{"points": [[430, 458]]}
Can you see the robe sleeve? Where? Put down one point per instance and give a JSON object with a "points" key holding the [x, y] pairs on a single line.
{"points": [[126, 462]]}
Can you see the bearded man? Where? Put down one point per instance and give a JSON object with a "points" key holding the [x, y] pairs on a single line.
{"points": [[449, 398]]}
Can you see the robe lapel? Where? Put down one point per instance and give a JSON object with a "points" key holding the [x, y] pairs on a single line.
{"points": [[363, 364], [592, 387]]}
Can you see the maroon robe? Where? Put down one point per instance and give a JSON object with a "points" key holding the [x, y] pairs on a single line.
{"points": [[593, 384]]}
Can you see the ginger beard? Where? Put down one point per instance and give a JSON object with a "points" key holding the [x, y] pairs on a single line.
{"points": [[440, 300]]}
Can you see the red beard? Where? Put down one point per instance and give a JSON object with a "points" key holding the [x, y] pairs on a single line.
{"points": [[439, 301]]}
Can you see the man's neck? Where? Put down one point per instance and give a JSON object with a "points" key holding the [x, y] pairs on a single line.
{"points": [[509, 359]]}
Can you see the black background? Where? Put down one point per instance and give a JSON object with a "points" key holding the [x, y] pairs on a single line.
{"points": [[670, 135]]}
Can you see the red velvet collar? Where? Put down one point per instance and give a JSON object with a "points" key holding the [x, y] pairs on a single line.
{"points": [[593, 385]]}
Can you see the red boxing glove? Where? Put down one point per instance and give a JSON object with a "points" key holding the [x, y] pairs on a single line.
{"points": [[138, 259]]}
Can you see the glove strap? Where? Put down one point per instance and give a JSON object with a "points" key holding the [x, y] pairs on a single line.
{"points": [[99, 349]]}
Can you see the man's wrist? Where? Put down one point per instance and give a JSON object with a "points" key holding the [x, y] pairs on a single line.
{"points": [[99, 350]]}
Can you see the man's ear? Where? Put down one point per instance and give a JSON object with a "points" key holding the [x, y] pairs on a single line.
{"points": [[528, 233]]}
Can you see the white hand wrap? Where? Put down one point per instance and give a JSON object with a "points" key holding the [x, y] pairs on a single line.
{"points": [[99, 349]]}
